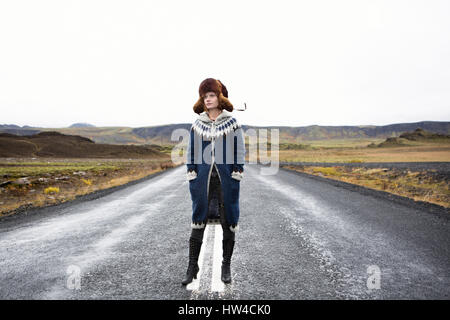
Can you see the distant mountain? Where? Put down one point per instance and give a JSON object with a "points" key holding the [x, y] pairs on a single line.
{"points": [[316, 132], [18, 130], [417, 135], [14, 126], [161, 135], [9, 126], [420, 134], [82, 125]]}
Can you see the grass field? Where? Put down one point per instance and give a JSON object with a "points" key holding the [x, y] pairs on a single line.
{"points": [[417, 185], [339, 151], [26, 183]]}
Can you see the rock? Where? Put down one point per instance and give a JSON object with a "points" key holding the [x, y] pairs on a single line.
{"points": [[62, 178], [79, 173], [22, 181], [4, 184]]}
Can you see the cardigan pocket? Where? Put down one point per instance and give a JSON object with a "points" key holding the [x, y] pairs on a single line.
{"points": [[195, 190], [234, 190]]}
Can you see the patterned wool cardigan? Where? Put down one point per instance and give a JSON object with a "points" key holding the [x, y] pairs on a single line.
{"points": [[218, 143]]}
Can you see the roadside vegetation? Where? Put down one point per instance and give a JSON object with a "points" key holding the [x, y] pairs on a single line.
{"points": [[25, 183], [418, 146], [423, 185]]}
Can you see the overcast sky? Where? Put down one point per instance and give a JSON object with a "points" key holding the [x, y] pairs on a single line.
{"points": [[295, 63]]}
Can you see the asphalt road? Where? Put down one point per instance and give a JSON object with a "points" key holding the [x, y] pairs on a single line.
{"points": [[300, 238]]}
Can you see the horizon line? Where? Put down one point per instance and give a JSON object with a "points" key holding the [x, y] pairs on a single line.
{"points": [[248, 125]]}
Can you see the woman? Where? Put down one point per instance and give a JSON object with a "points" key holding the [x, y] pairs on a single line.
{"points": [[215, 167]]}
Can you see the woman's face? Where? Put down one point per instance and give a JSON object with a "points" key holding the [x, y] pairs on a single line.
{"points": [[211, 100]]}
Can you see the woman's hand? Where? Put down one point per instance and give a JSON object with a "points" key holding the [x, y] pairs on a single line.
{"points": [[191, 175], [238, 175]]}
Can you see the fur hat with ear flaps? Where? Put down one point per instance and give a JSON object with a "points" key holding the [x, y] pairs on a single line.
{"points": [[213, 85]]}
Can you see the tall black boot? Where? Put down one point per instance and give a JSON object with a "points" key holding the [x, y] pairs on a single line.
{"points": [[227, 245], [194, 250]]}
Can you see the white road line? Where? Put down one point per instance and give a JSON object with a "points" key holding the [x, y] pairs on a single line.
{"points": [[195, 284], [216, 282]]}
